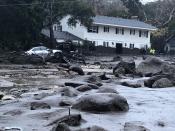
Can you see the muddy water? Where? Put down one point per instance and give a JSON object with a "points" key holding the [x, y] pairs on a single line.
{"points": [[148, 107]]}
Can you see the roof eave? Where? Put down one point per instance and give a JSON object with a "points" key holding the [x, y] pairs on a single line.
{"points": [[151, 29]]}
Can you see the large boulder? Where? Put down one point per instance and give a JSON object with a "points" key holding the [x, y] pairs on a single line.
{"points": [[150, 65], [102, 102], [131, 84], [162, 83], [84, 88], [126, 67], [94, 80]]}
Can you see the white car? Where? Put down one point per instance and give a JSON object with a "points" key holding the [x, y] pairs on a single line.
{"points": [[43, 51]]}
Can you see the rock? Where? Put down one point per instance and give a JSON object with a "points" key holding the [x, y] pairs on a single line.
{"points": [[94, 80], [1, 95], [83, 88], [39, 105], [119, 72], [134, 127], [129, 84], [70, 120], [103, 77], [7, 98], [61, 127], [150, 81], [73, 84], [102, 102], [93, 86], [107, 90], [161, 123], [69, 91], [127, 67], [162, 83], [65, 103], [150, 65], [97, 63], [94, 128], [77, 69], [117, 58], [40, 96]]}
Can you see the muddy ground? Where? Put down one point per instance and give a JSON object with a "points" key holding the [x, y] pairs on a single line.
{"points": [[23, 84]]}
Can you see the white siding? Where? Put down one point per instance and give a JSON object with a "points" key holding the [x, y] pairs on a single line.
{"points": [[111, 37]]}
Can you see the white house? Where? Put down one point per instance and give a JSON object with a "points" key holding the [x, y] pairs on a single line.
{"points": [[113, 32]]}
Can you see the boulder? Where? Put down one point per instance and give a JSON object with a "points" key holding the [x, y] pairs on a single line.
{"points": [[119, 72], [73, 84], [61, 127], [127, 67], [102, 102], [1, 95], [93, 128], [103, 77], [84, 88], [107, 90], [134, 127], [77, 69], [162, 83], [150, 65], [117, 58], [70, 120], [129, 84], [69, 91], [7, 98], [93, 86], [94, 80], [150, 81], [65, 103], [39, 105]]}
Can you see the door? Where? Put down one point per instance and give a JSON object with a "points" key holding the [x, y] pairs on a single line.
{"points": [[119, 48]]}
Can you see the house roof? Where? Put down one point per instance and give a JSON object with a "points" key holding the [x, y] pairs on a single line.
{"points": [[61, 35], [120, 22]]}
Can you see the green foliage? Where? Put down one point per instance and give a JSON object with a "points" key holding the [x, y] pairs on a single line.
{"points": [[115, 13], [21, 24]]}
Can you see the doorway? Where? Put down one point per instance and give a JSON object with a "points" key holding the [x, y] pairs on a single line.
{"points": [[119, 48]]}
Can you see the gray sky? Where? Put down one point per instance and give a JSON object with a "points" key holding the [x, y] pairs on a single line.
{"points": [[145, 1]]}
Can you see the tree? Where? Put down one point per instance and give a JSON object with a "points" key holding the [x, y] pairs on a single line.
{"points": [[21, 21]]}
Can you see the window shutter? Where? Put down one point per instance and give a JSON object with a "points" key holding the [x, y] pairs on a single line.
{"points": [[122, 31], [117, 30], [140, 33]]}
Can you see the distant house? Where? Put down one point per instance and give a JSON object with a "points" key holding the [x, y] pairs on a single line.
{"points": [[113, 32], [170, 45]]}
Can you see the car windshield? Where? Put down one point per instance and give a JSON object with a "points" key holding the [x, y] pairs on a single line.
{"points": [[43, 48], [36, 49]]}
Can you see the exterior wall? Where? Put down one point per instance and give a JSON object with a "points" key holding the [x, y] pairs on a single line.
{"points": [[111, 36], [114, 38]]}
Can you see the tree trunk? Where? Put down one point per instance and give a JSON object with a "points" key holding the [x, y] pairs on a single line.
{"points": [[52, 39]]}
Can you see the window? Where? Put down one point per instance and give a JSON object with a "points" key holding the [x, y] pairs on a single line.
{"points": [[132, 31], [143, 33], [131, 46], [55, 27], [106, 44], [59, 28], [93, 29], [106, 29], [120, 31]]}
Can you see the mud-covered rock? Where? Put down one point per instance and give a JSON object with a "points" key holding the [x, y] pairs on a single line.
{"points": [[107, 90], [61, 127], [73, 84], [102, 102], [134, 127], [151, 65], [130, 84], [162, 83], [94, 80], [103, 77], [39, 105], [69, 91], [84, 88], [126, 67], [93, 128], [77, 69]]}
